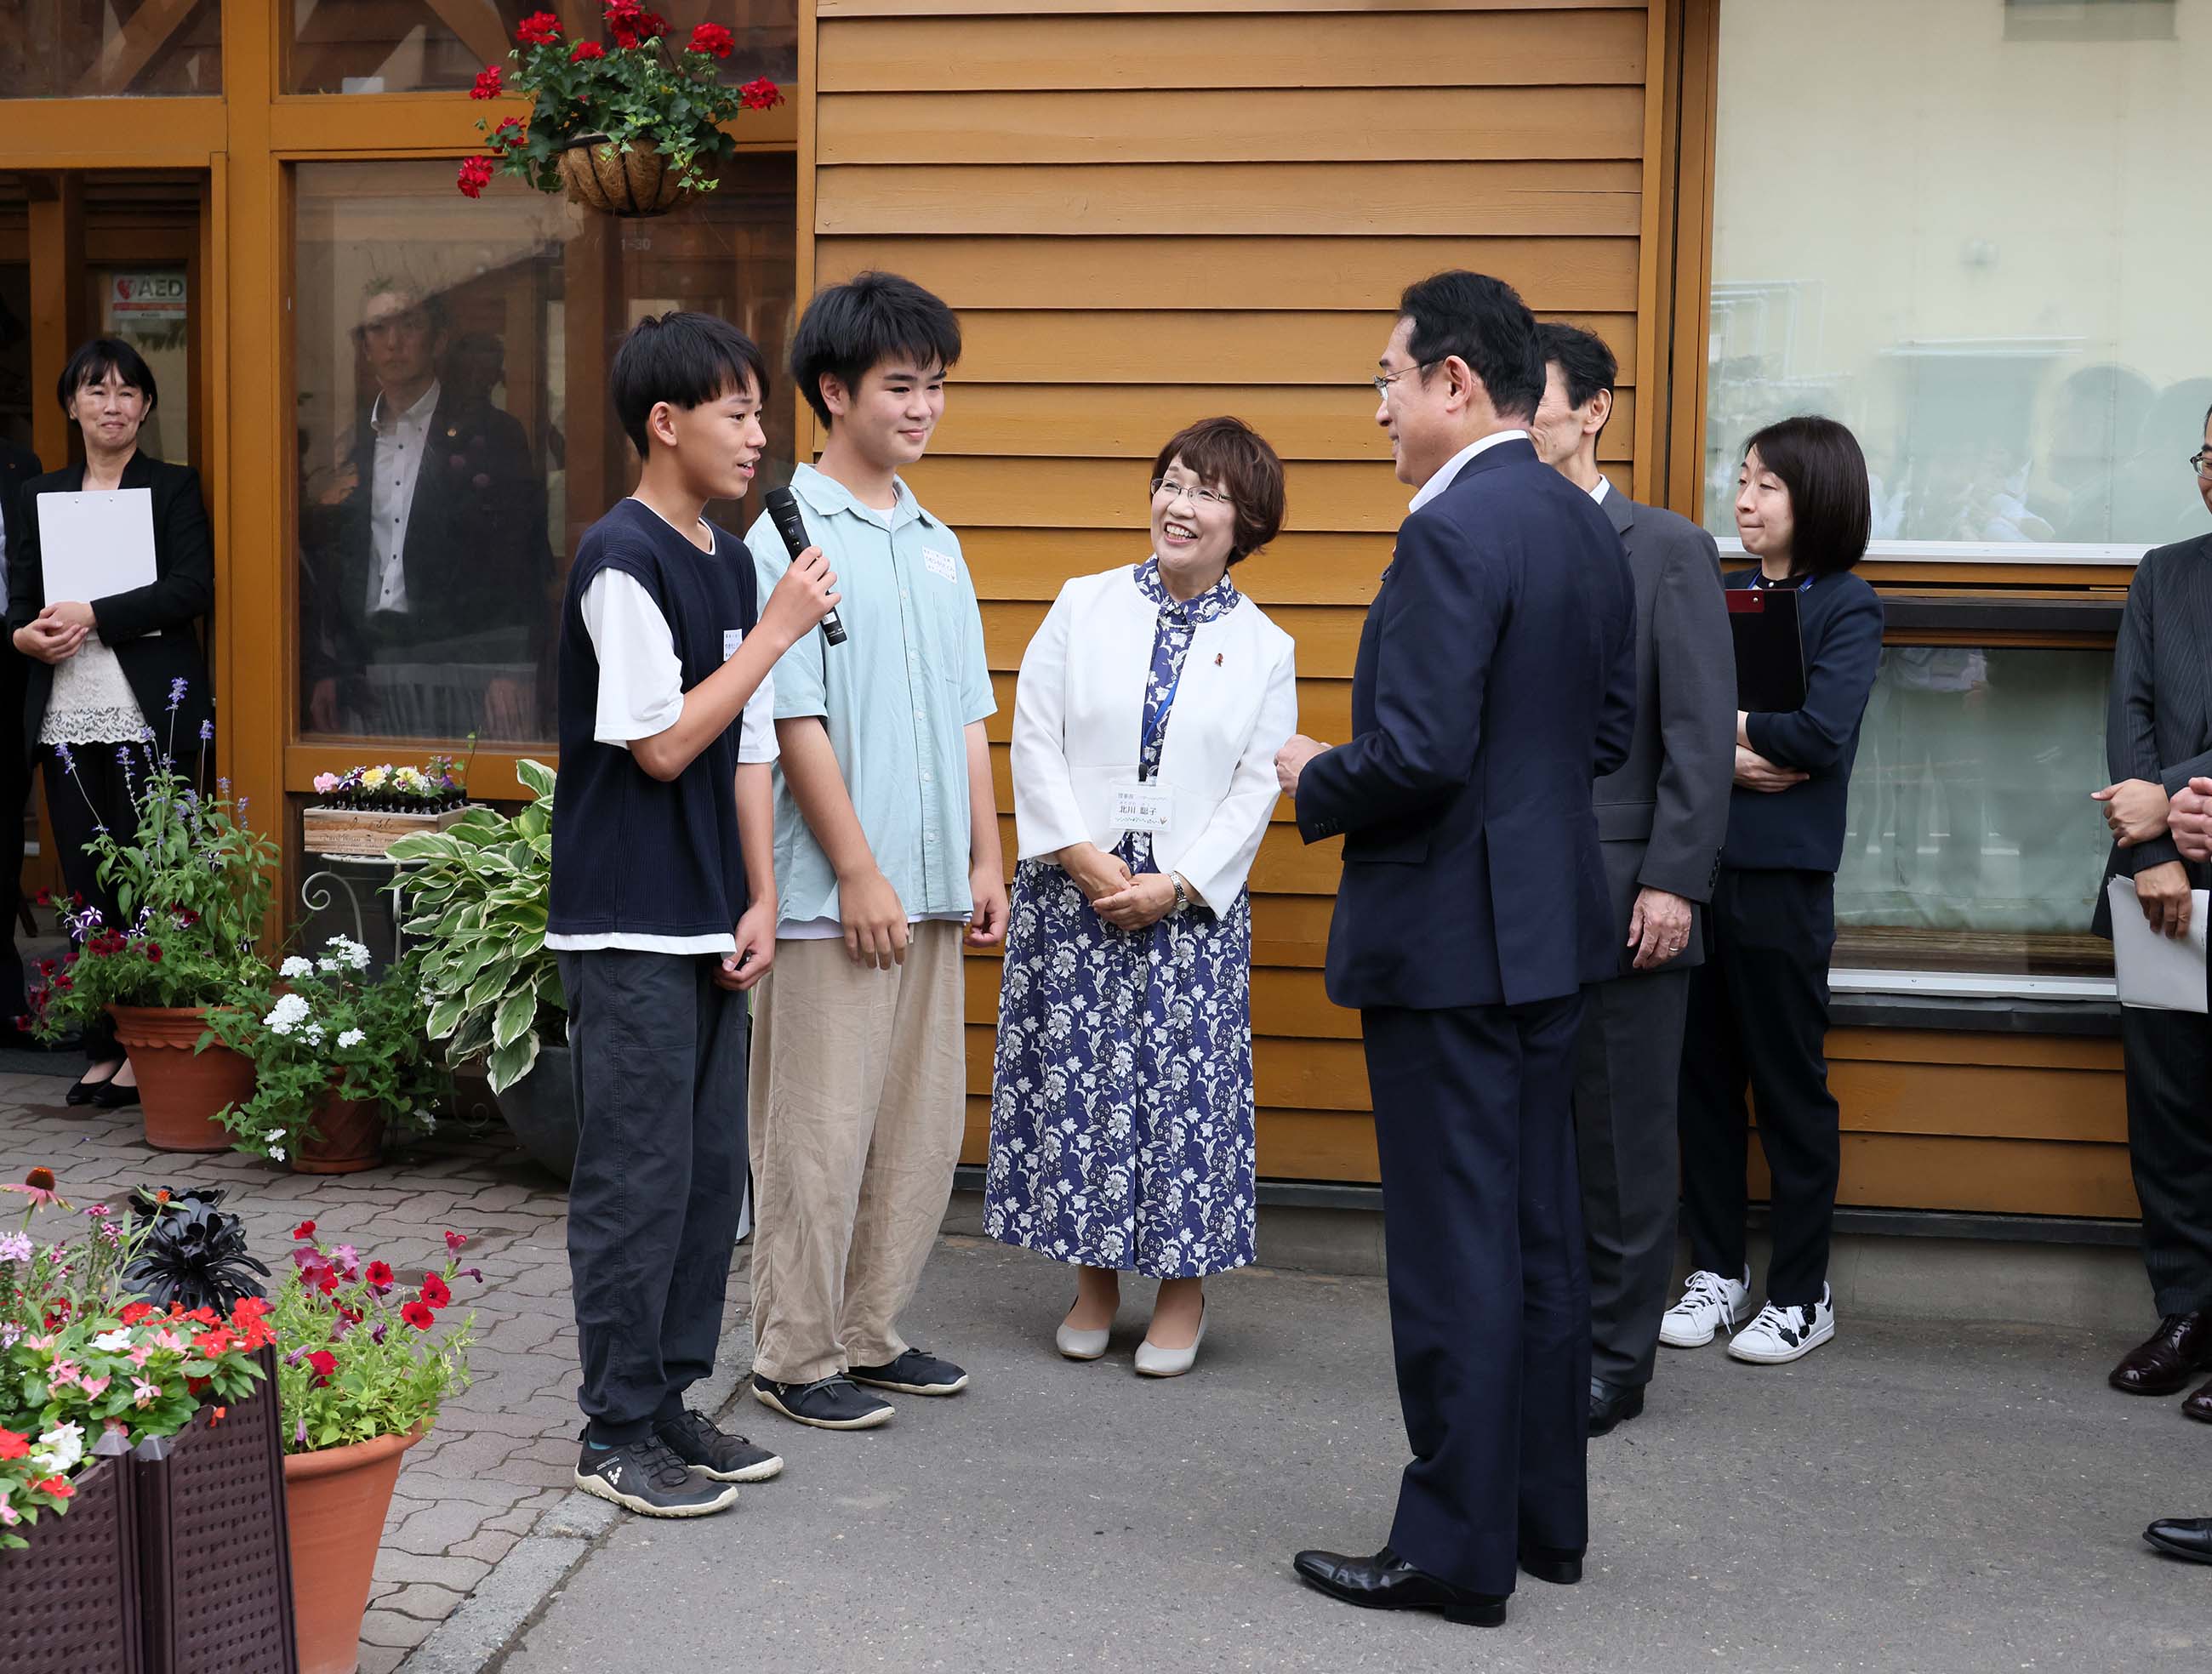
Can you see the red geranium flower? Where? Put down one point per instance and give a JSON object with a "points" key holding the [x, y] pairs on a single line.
{"points": [[434, 1291], [585, 50], [324, 1362], [475, 175], [507, 134], [711, 38], [305, 1229], [487, 84], [760, 94], [417, 1314], [379, 1275], [137, 1310], [538, 29], [12, 1445]]}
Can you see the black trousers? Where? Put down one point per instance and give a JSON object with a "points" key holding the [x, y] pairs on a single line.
{"points": [[15, 796], [2169, 1067], [80, 800], [1759, 1017], [1489, 1298], [658, 1054], [1626, 1062]]}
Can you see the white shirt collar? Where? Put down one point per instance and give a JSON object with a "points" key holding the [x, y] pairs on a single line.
{"points": [[1443, 480], [1604, 487], [419, 414]]}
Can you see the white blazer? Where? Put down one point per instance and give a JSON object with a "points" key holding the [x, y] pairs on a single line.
{"points": [[1079, 711]]}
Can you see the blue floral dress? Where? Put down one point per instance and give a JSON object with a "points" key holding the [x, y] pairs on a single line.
{"points": [[1121, 1106]]}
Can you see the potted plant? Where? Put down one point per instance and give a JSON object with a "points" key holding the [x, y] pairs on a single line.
{"points": [[336, 1055], [365, 809], [628, 127], [493, 990], [193, 883], [360, 1381]]}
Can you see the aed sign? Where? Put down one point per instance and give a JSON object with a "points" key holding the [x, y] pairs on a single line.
{"points": [[146, 296]]}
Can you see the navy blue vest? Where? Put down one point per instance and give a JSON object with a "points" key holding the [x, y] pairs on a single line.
{"points": [[632, 854]]}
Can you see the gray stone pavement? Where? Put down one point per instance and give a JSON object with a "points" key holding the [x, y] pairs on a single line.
{"points": [[1912, 1497]]}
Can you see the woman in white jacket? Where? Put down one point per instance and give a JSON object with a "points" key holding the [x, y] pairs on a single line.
{"points": [[1150, 708]]}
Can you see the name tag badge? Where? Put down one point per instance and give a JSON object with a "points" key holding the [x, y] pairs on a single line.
{"points": [[730, 637], [1140, 807], [940, 564]]}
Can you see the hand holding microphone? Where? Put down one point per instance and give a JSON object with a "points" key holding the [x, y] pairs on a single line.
{"points": [[783, 512]]}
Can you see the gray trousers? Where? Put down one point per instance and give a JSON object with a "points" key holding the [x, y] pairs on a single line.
{"points": [[658, 1054], [2169, 1062], [1626, 1061]]}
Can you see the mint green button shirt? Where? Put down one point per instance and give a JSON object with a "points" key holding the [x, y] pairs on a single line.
{"points": [[897, 698]]}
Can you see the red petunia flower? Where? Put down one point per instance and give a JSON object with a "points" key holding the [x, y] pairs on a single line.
{"points": [[585, 50], [329, 1282], [711, 38], [488, 84], [323, 1363], [434, 1291], [153, 952], [475, 175], [417, 1314], [760, 94], [305, 1229], [137, 1310], [379, 1276], [455, 1240], [538, 29]]}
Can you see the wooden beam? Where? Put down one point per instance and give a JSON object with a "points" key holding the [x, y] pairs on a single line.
{"points": [[58, 308], [132, 47]]}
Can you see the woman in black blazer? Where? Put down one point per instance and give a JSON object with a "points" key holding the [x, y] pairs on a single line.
{"points": [[1758, 1005], [104, 671]]}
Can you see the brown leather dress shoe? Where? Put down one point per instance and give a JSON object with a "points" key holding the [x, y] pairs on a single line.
{"points": [[2199, 1406], [2162, 1363]]}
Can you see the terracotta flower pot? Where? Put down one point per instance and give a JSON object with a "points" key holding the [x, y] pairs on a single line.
{"points": [[350, 1138], [336, 1500], [181, 1090], [635, 180]]}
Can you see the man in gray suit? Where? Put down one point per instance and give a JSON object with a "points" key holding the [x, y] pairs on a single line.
{"points": [[1661, 819]]}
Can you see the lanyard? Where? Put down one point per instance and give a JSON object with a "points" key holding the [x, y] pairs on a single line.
{"points": [[1159, 721]]}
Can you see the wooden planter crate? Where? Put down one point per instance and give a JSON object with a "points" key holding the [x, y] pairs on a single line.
{"points": [[70, 1601], [367, 831]]}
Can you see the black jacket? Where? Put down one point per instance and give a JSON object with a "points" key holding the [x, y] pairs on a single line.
{"points": [[154, 630]]}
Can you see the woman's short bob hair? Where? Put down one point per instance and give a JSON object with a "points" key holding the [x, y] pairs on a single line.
{"points": [[1831, 506], [94, 359], [1231, 453]]}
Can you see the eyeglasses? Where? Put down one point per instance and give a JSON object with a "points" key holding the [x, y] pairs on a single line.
{"points": [[2201, 462], [1197, 496], [410, 322], [1384, 380]]}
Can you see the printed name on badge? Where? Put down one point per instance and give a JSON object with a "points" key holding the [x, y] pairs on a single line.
{"points": [[1140, 807], [940, 563], [730, 637]]}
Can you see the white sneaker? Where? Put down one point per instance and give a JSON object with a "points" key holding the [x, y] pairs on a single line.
{"points": [[1781, 1335], [1708, 1303]]}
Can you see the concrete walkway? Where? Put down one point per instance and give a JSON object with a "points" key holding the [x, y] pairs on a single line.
{"points": [[1909, 1498]]}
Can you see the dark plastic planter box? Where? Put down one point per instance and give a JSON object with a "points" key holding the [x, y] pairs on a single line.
{"points": [[70, 1601]]}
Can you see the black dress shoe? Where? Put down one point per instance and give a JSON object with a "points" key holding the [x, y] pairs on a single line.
{"points": [[1386, 1582], [108, 1096], [2162, 1363], [1562, 1565], [1612, 1405], [2199, 1406], [2187, 1537]]}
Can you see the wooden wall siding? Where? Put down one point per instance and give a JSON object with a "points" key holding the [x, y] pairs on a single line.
{"points": [[1149, 212]]}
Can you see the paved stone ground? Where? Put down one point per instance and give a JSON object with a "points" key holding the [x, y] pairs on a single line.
{"points": [[502, 1451]]}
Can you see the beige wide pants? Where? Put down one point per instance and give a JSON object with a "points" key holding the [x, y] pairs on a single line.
{"points": [[859, 1100]]}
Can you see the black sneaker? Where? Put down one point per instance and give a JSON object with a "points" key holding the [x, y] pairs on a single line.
{"points": [[646, 1478], [917, 1372], [694, 1438], [828, 1403]]}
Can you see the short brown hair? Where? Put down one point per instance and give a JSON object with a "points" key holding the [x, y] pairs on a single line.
{"points": [[1231, 452]]}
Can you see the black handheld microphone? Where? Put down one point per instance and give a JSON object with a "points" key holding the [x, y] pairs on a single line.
{"points": [[783, 513]]}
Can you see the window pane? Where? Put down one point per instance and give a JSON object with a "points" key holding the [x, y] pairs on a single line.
{"points": [[455, 433], [415, 46], [81, 49], [1975, 238], [1972, 844]]}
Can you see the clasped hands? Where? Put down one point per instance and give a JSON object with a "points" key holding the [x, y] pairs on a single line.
{"points": [[58, 633], [1124, 900]]}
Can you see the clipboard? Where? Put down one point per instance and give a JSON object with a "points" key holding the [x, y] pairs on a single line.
{"points": [[95, 545], [1770, 656], [2152, 972]]}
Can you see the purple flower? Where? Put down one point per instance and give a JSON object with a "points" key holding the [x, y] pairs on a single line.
{"points": [[176, 694], [377, 1336], [300, 1436], [69, 762], [207, 731]]}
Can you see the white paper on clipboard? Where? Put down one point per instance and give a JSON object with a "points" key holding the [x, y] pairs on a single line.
{"points": [[2154, 971], [95, 545]]}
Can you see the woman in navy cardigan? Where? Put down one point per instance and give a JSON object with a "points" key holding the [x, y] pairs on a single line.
{"points": [[1758, 1005]]}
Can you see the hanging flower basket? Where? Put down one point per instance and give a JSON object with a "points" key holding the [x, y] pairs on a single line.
{"points": [[627, 127]]}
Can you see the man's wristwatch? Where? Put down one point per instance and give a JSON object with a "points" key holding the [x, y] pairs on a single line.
{"points": [[1182, 896]]}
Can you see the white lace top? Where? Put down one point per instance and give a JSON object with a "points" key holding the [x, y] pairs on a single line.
{"points": [[92, 702]]}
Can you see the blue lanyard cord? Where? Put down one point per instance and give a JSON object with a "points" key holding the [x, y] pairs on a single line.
{"points": [[1159, 725]]}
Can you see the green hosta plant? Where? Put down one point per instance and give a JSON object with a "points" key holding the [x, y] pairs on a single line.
{"points": [[480, 897]]}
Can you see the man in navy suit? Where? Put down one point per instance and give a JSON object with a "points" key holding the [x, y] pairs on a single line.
{"points": [[18, 465], [1496, 680]]}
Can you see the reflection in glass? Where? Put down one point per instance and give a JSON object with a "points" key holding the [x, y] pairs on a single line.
{"points": [[83, 49], [1971, 843], [453, 428], [419, 46], [1983, 251]]}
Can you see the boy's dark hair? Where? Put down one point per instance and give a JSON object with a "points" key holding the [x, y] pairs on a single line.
{"points": [[1583, 360], [1831, 506], [847, 329], [1232, 452], [1484, 322], [98, 356], [686, 360]]}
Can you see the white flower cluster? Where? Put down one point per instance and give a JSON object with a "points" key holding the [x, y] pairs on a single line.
{"points": [[352, 1037], [112, 1343], [59, 1450], [351, 954], [287, 1014], [295, 967]]}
